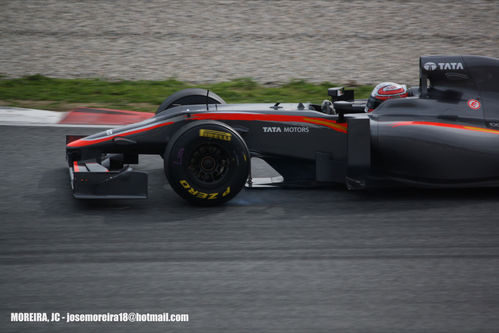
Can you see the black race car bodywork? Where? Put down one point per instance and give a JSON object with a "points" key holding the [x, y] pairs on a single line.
{"points": [[445, 135]]}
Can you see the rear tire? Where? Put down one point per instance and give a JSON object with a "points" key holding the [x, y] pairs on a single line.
{"points": [[190, 96], [207, 163]]}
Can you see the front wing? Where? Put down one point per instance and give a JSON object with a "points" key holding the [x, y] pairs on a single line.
{"points": [[94, 181]]}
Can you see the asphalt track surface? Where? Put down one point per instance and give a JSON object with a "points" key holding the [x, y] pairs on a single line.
{"points": [[321, 260]]}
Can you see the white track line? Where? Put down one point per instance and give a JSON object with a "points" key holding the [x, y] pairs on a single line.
{"points": [[10, 116], [58, 125], [29, 116]]}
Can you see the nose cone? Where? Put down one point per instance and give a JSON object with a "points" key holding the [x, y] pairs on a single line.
{"points": [[75, 143]]}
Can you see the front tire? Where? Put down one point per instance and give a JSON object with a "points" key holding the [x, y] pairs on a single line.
{"points": [[190, 96], [207, 163]]}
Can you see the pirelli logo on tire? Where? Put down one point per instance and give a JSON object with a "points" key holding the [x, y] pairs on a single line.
{"points": [[218, 135], [203, 195]]}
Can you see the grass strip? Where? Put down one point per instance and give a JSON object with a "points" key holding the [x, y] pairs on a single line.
{"points": [[41, 92]]}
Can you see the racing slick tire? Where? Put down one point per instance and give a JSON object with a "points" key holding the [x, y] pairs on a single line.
{"points": [[207, 162], [190, 96]]}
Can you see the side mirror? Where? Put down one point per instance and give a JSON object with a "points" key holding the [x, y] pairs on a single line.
{"points": [[340, 94], [336, 92]]}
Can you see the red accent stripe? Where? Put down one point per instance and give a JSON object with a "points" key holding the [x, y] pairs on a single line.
{"points": [[384, 98], [427, 123], [340, 127], [382, 91], [150, 114], [75, 167], [462, 127], [104, 116], [87, 142]]}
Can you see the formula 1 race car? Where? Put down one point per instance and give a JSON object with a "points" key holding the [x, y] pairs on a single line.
{"points": [[444, 133]]}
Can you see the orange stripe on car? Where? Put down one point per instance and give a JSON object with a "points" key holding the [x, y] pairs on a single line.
{"points": [[341, 127], [462, 127]]}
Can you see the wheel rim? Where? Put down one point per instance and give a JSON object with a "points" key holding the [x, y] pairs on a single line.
{"points": [[208, 164]]}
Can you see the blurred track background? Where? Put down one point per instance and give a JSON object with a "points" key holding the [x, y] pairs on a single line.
{"points": [[269, 41]]}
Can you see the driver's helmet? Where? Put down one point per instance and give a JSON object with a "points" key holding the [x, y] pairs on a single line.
{"points": [[384, 91]]}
